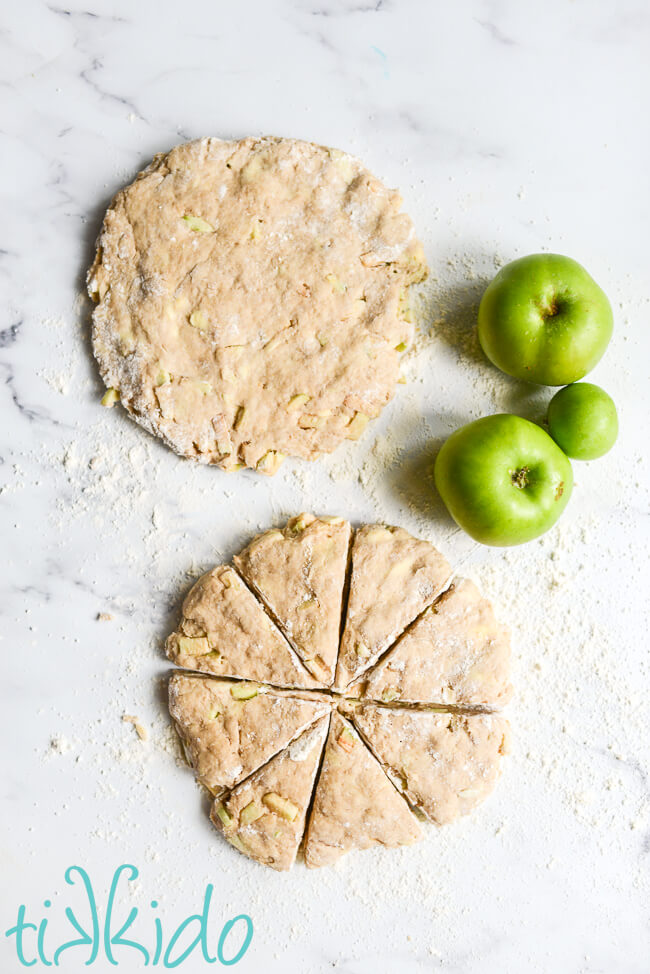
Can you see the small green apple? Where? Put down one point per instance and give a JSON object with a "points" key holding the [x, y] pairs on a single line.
{"points": [[503, 479], [582, 420], [544, 319]]}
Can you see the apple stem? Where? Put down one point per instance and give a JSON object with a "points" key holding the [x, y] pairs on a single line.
{"points": [[519, 477]]}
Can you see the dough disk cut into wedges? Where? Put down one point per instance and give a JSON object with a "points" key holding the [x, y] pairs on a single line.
{"points": [[454, 653], [423, 664], [394, 577], [445, 764], [300, 573], [252, 299], [225, 631], [264, 816], [355, 805], [230, 729]]}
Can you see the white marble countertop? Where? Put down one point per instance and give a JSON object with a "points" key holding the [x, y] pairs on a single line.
{"points": [[510, 128]]}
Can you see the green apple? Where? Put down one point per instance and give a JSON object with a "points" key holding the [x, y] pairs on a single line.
{"points": [[582, 420], [503, 479], [544, 319]]}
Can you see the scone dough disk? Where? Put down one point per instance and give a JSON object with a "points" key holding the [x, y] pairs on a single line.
{"points": [[252, 299]]}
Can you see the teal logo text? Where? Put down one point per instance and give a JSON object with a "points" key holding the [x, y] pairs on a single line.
{"points": [[122, 935]]}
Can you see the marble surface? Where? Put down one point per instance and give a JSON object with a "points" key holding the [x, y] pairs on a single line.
{"points": [[510, 128]]}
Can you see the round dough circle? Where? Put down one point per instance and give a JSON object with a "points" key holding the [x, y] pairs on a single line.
{"points": [[414, 708], [252, 299]]}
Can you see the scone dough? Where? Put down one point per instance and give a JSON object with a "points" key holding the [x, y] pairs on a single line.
{"points": [[231, 729], [445, 764], [421, 666], [355, 805], [226, 632], [455, 653], [394, 576], [299, 573], [264, 816], [252, 299]]}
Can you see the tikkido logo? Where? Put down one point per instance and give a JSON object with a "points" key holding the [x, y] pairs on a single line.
{"points": [[95, 940]]}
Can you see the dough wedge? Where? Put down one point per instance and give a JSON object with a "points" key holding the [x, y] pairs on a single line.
{"points": [[394, 577], [455, 653], [225, 631], [228, 730], [300, 572], [444, 764], [355, 805], [264, 816]]}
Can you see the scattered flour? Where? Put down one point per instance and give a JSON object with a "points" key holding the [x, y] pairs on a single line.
{"points": [[132, 526]]}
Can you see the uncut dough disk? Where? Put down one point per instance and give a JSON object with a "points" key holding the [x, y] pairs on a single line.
{"points": [[252, 299]]}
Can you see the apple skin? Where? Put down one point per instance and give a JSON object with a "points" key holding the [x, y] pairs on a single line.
{"points": [[583, 421], [544, 319], [503, 479]]}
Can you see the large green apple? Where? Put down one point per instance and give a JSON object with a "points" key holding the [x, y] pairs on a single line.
{"points": [[503, 479], [544, 319]]}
